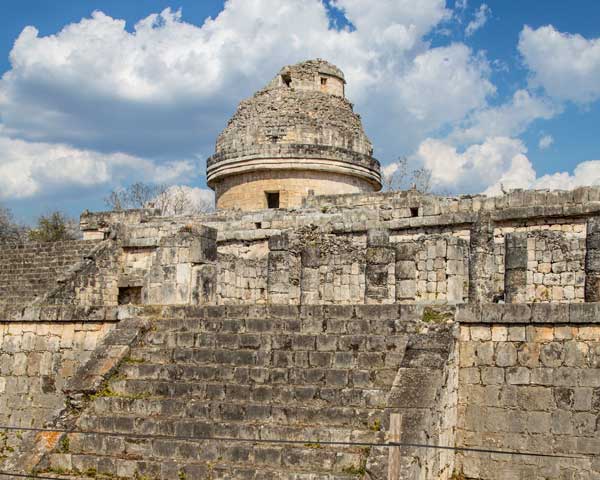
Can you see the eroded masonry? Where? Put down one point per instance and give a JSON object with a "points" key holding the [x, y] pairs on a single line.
{"points": [[295, 343]]}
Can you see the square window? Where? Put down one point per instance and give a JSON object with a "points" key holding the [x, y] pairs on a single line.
{"points": [[323, 81], [130, 296]]}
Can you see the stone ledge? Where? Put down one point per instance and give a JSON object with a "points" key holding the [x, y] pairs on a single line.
{"points": [[65, 313], [529, 313], [512, 313]]}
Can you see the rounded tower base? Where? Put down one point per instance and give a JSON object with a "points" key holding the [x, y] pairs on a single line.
{"points": [[283, 189]]}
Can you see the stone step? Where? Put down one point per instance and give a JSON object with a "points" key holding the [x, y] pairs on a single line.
{"points": [[276, 340], [195, 431], [236, 463], [348, 358], [314, 373], [241, 411], [337, 392], [348, 326]]}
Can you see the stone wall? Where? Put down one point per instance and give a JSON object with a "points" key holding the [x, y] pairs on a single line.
{"points": [[529, 382], [241, 280], [474, 228], [37, 358], [29, 270]]}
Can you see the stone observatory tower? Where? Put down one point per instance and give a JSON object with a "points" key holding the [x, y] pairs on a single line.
{"points": [[297, 135]]}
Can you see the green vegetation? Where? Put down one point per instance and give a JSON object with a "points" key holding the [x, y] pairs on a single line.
{"points": [[433, 316], [5, 448], [54, 227], [354, 470], [64, 444], [132, 360], [376, 425]]}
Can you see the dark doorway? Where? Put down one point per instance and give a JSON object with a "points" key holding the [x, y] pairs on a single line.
{"points": [[272, 199]]}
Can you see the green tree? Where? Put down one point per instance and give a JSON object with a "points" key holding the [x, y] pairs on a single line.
{"points": [[9, 230], [54, 227]]}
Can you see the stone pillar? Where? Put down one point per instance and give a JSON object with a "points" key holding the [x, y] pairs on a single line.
{"points": [[310, 276], [515, 267], [380, 258], [481, 266], [278, 279], [457, 268], [203, 256], [406, 271], [592, 261]]}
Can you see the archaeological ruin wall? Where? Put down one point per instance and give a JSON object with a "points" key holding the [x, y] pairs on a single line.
{"points": [[465, 322]]}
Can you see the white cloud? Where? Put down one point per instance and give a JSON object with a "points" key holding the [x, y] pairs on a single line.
{"points": [[107, 103], [480, 18], [566, 66], [546, 142], [478, 167], [166, 89], [28, 168], [496, 165], [506, 120], [423, 93], [585, 173]]}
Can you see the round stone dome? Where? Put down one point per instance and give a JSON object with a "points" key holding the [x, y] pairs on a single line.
{"points": [[296, 135]]}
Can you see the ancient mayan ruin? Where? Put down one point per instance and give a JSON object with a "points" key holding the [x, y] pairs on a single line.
{"points": [[308, 322]]}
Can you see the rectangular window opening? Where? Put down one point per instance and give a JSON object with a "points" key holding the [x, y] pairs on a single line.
{"points": [[414, 211], [323, 81], [130, 296], [272, 199], [287, 80]]}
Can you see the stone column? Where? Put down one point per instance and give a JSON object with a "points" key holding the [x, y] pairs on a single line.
{"points": [[203, 256], [482, 266], [310, 277], [406, 271], [457, 267], [592, 261], [278, 279], [515, 267], [380, 257]]}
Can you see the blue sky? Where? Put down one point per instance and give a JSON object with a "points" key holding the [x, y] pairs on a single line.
{"points": [[482, 93]]}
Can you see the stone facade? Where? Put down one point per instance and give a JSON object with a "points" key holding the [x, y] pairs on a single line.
{"points": [[309, 337], [299, 134]]}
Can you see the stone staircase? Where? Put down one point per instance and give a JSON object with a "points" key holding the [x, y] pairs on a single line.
{"points": [[29, 270], [304, 378]]}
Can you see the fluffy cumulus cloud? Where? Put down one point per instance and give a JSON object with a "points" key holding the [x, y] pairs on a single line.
{"points": [[585, 173], [163, 91], [478, 167], [566, 66], [508, 119], [495, 166], [27, 168]]}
